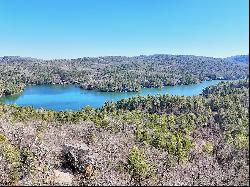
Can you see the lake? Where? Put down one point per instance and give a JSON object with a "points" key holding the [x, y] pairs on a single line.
{"points": [[61, 98]]}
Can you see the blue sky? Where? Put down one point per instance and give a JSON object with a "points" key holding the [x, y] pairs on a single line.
{"points": [[77, 28]]}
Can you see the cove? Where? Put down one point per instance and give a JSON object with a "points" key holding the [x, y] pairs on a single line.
{"points": [[63, 98]]}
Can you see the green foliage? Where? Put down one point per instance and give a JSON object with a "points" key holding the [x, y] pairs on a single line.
{"points": [[10, 88], [12, 155], [27, 159], [21, 161], [138, 164], [24, 113], [223, 88], [121, 167], [2, 138], [208, 147], [241, 141], [167, 132]]}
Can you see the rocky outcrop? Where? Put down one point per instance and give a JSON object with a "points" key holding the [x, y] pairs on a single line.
{"points": [[78, 158]]}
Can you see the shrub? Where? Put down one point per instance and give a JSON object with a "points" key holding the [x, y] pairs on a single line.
{"points": [[208, 147], [2, 138], [138, 164], [12, 155], [241, 141]]}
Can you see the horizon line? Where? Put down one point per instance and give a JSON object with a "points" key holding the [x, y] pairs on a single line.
{"points": [[128, 56]]}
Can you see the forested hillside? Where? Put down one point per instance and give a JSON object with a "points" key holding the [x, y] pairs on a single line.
{"points": [[239, 58], [153, 140], [116, 73]]}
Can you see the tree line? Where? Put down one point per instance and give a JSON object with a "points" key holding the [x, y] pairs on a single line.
{"points": [[116, 73]]}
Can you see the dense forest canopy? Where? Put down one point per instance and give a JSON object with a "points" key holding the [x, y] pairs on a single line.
{"points": [[152, 140], [116, 73]]}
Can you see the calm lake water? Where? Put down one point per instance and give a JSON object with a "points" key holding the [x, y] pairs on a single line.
{"points": [[61, 98]]}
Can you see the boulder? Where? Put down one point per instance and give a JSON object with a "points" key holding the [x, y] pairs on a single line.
{"points": [[78, 158]]}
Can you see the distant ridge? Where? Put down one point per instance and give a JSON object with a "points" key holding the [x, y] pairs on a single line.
{"points": [[239, 58], [7, 59], [236, 58], [118, 73]]}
